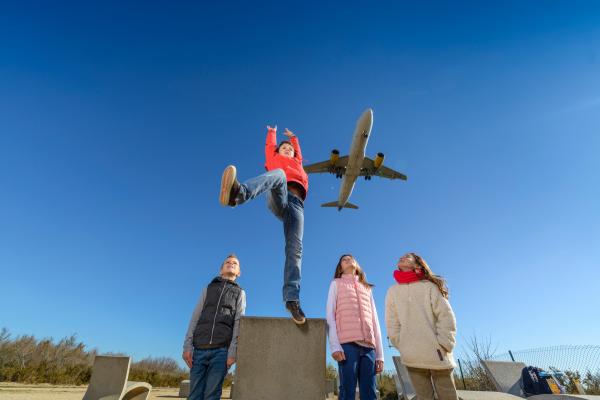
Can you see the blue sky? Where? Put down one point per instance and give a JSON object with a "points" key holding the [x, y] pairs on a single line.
{"points": [[116, 120]]}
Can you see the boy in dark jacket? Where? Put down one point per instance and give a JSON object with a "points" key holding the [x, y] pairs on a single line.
{"points": [[210, 344], [286, 185]]}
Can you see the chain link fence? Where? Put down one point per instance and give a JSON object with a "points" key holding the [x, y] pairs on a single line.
{"points": [[583, 359]]}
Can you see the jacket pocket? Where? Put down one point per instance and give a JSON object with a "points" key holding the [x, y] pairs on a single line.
{"points": [[439, 352]]}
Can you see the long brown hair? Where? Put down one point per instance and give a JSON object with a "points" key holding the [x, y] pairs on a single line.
{"points": [[430, 276], [358, 271]]}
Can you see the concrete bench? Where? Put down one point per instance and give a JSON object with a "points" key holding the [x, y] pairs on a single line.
{"points": [[109, 381]]}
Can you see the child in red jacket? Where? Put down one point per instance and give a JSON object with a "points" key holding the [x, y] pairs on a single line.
{"points": [[286, 185]]}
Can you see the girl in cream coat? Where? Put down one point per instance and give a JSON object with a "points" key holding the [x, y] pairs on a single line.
{"points": [[421, 325]]}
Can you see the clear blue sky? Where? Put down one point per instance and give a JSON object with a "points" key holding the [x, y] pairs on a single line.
{"points": [[117, 118]]}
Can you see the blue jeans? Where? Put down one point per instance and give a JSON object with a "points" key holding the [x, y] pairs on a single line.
{"points": [[289, 209], [209, 367], [359, 364]]}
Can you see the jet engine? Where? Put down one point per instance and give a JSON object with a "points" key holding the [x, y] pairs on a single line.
{"points": [[378, 162], [335, 155]]}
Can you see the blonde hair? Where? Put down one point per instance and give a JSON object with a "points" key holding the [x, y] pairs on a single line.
{"points": [[430, 276], [358, 271]]}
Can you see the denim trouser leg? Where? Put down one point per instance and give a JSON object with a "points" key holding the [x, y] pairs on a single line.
{"points": [[275, 204], [290, 210], [198, 375], [359, 365], [273, 181], [293, 228], [209, 368], [367, 384]]}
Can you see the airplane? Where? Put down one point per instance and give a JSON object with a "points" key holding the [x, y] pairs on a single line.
{"points": [[356, 164]]}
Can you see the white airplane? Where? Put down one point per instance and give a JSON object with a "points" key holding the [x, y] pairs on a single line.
{"points": [[355, 165]]}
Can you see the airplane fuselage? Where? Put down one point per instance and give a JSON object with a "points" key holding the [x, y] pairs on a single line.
{"points": [[355, 156]]}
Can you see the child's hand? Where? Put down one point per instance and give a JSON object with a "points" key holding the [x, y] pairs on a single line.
{"points": [[187, 357], [378, 366], [288, 133], [269, 128], [230, 362], [338, 356]]}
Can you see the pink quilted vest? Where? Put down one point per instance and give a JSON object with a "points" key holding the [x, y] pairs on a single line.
{"points": [[353, 315]]}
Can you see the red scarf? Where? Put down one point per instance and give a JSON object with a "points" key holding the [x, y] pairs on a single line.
{"points": [[408, 276]]}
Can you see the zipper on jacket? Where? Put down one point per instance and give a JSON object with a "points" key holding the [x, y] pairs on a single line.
{"points": [[216, 312], [360, 315]]}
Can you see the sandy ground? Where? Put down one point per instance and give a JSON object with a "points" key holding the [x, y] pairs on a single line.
{"points": [[20, 391]]}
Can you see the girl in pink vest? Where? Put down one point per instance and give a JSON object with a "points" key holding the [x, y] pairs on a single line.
{"points": [[354, 333]]}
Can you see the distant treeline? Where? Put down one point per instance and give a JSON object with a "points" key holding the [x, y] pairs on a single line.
{"points": [[67, 362]]}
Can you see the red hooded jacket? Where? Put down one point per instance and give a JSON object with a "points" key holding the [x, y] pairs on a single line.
{"points": [[291, 166]]}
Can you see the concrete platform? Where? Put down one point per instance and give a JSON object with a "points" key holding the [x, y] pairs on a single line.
{"points": [[477, 395], [278, 359]]}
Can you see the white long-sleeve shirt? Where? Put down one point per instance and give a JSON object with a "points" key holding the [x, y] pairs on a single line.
{"points": [[334, 342]]}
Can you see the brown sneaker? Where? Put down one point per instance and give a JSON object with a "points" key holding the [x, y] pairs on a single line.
{"points": [[230, 187], [297, 314]]}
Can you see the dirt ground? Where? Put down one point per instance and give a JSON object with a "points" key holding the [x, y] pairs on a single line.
{"points": [[21, 391]]}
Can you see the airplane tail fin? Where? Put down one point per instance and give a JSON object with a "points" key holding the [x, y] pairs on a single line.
{"points": [[336, 204]]}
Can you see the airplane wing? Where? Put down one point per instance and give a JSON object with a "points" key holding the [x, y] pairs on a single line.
{"points": [[368, 169], [327, 166]]}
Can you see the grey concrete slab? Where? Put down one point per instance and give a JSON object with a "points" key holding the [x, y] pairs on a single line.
{"points": [[505, 375], [403, 382], [109, 380], [278, 359]]}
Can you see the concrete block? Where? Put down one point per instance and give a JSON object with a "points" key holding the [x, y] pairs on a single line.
{"points": [[277, 359], [184, 388], [331, 386]]}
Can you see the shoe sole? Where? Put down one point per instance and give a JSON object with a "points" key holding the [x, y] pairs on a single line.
{"points": [[299, 322], [226, 183]]}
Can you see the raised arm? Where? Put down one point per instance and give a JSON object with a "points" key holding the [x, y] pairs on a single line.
{"points": [[271, 142]]}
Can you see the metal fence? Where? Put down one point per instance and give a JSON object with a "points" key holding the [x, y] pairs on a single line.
{"points": [[584, 358]]}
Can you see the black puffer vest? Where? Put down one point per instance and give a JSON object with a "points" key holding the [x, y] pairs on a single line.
{"points": [[215, 325]]}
